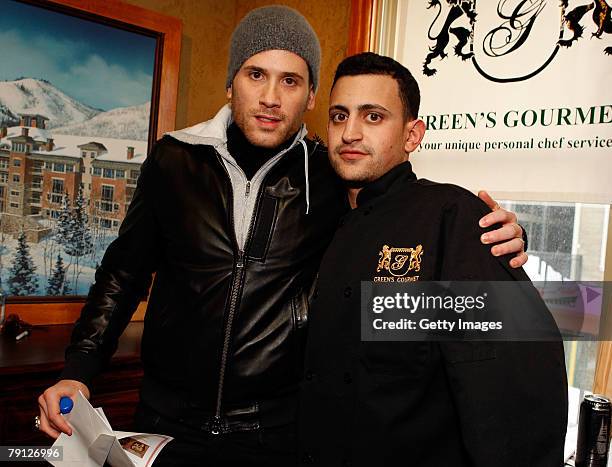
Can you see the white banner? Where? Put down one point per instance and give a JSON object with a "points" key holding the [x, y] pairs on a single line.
{"points": [[516, 95]]}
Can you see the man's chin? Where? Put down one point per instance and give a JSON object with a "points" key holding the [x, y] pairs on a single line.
{"points": [[265, 139]]}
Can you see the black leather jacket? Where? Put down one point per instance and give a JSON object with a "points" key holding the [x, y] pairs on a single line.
{"points": [[224, 328]]}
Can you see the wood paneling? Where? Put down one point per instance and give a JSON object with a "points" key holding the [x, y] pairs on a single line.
{"points": [[31, 365], [56, 313], [207, 27], [362, 25]]}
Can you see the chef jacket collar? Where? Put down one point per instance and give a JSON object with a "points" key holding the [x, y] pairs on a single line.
{"points": [[384, 184]]}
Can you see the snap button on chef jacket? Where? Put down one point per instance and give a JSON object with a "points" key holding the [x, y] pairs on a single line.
{"points": [[422, 403]]}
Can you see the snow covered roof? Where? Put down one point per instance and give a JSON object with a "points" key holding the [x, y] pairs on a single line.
{"points": [[34, 115], [68, 145], [37, 133], [92, 145]]}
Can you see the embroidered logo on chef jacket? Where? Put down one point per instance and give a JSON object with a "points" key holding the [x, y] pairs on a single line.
{"points": [[398, 262]]}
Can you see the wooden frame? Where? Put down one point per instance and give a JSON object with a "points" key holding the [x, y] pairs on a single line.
{"points": [[168, 30], [362, 26]]}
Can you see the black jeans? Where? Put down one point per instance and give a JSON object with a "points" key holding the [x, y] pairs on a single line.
{"points": [[269, 447]]}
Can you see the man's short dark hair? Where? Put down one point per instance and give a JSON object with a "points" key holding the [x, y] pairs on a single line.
{"points": [[369, 63]]}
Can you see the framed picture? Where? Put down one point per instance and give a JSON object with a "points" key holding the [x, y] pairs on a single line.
{"points": [[85, 89]]}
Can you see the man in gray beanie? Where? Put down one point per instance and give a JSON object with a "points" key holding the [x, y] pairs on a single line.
{"points": [[233, 216], [274, 28]]}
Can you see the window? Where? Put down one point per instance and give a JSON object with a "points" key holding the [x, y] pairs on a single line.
{"points": [[109, 173], [55, 199], [106, 223], [3, 177], [3, 163], [107, 192], [14, 205], [58, 167], [83, 153], [567, 241], [14, 193], [134, 174], [16, 178], [19, 147], [69, 167], [96, 171], [16, 162], [115, 224], [57, 186], [119, 173]]}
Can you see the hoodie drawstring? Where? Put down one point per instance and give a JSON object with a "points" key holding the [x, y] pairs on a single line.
{"points": [[306, 175]]}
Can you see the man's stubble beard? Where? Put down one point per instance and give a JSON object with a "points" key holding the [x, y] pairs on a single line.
{"points": [[245, 121], [352, 177]]}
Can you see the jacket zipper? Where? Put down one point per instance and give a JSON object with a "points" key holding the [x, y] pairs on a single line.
{"points": [[217, 424]]}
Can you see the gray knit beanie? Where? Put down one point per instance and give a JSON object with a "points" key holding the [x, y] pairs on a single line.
{"points": [[274, 28]]}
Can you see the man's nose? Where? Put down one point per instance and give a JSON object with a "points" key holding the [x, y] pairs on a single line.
{"points": [[352, 131], [270, 96]]}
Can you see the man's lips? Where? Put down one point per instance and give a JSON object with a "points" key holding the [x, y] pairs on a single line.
{"points": [[351, 154], [267, 120]]}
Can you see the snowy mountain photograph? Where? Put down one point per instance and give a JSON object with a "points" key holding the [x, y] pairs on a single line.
{"points": [[75, 106]]}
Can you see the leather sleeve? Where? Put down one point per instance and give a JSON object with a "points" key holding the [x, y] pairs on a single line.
{"points": [[121, 282]]}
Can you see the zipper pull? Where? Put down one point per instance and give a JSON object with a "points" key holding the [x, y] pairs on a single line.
{"points": [[248, 189], [240, 261], [215, 426]]}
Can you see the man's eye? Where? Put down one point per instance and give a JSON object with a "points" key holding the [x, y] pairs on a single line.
{"points": [[256, 75], [290, 81], [374, 117], [337, 118]]}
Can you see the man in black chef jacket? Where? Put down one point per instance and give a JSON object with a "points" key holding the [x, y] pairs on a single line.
{"points": [[413, 403]]}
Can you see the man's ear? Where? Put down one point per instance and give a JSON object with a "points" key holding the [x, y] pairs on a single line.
{"points": [[415, 130], [228, 93], [311, 98]]}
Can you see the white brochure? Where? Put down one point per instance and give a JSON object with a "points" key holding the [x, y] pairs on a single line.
{"points": [[93, 441]]}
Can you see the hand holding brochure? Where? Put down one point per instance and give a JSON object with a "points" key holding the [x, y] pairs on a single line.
{"points": [[93, 441]]}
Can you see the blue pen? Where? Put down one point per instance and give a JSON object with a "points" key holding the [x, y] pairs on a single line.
{"points": [[66, 405]]}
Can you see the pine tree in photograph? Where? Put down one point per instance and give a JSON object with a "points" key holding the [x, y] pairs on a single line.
{"points": [[62, 228], [79, 242], [22, 277], [57, 282]]}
